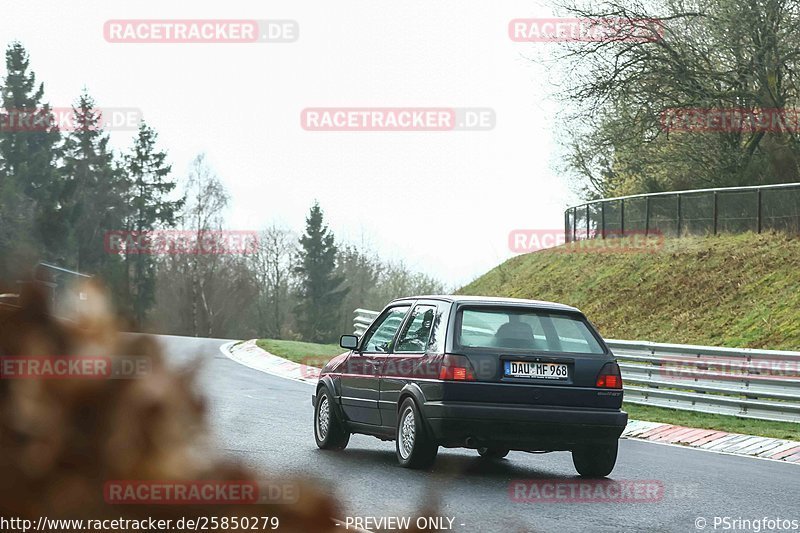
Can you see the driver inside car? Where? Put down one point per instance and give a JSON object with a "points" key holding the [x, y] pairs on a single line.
{"points": [[416, 340], [514, 334]]}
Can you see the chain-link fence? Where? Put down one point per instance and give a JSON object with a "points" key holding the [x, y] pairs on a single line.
{"points": [[679, 213]]}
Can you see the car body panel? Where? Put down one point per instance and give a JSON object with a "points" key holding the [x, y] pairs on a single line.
{"points": [[517, 413]]}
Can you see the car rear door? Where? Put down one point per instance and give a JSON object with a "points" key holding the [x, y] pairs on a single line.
{"points": [[360, 377]]}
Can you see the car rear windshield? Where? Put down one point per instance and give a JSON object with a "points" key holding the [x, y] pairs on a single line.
{"points": [[525, 329]]}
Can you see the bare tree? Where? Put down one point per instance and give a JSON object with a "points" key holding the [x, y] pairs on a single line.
{"points": [[707, 54], [272, 264], [206, 200]]}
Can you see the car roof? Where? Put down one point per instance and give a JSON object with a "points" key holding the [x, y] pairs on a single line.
{"points": [[457, 298]]}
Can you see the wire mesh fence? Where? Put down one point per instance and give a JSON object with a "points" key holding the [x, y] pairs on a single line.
{"points": [[697, 212]]}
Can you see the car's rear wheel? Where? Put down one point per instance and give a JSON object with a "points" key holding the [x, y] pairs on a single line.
{"points": [[329, 430], [415, 447], [597, 460], [493, 453]]}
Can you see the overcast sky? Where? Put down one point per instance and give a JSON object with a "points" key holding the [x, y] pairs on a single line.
{"points": [[444, 202]]}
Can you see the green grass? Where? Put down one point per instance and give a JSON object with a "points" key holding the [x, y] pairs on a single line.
{"points": [[308, 353], [732, 424], [733, 290]]}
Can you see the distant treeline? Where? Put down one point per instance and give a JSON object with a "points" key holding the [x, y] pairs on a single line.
{"points": [[62, 190]]}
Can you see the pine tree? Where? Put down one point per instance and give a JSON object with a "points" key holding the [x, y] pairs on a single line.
{"points": [[150, 209], [29, 151], [320, 288], [94, 189]]}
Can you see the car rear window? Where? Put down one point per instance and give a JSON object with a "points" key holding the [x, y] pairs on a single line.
{"points": [[525, 329]]}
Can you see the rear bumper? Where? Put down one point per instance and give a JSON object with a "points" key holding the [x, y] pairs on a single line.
{"points": [[533, 428]]}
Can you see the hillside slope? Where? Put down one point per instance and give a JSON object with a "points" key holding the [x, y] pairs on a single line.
{"points": [[732, 290]]}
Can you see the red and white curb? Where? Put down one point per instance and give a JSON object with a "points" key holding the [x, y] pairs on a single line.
{"points": [[716, 441], [250, 355]]}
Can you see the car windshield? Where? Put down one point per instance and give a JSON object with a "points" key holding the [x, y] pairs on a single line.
{"points": [[525, 329]]}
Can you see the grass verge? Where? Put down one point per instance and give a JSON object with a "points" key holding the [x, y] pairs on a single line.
{"points": [[308, 353], [732, 424]]}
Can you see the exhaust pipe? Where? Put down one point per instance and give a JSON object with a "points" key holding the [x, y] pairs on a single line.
{"points": [[471, 442]]}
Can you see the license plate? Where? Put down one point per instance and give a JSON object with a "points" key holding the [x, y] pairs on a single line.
{"points": [[526, 369]]}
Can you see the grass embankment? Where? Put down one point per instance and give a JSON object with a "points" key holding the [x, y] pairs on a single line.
{"points": [[307, 353], [733, 290], [730, 290]]}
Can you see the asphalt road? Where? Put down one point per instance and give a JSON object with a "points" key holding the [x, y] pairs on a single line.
{"points": [[267, 421]]}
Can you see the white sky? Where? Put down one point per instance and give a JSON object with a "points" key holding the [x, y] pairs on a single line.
{"points": [[442, 201]]}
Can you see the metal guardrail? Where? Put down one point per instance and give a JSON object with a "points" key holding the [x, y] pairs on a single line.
{"points": [[762, 384], [692, 212], [742, 382], [60, 284], [363, 319]]}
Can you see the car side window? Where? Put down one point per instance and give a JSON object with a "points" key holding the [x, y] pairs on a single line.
{"points": [[417, 333], [381, 333]]}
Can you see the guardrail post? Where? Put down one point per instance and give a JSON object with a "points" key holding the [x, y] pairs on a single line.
{"points": [[603, 220], [646, 216], [587, 221], [678, 221], [622, 217], [566, 226], [758, 212], [574, 223], [716, 208]]}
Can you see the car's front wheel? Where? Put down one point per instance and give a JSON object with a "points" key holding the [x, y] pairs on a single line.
{"points": [[329, 430], [415, 448], [597, 460], [493, 453]]}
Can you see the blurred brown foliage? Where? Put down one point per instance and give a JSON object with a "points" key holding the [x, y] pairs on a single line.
{"points": [[61, 440]]}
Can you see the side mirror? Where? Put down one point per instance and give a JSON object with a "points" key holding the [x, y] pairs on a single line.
{"points": [[348, 342]]}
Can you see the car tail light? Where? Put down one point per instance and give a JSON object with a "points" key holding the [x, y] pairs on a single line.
{"points": [[609, 377], [456, 368]]}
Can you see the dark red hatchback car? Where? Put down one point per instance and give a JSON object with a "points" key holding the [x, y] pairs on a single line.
{"points": [[492, 374]]}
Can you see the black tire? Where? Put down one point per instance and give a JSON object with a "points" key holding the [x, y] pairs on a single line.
{"points": [[334, 436], [597, 460], [414, 446], [493, 453]]}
